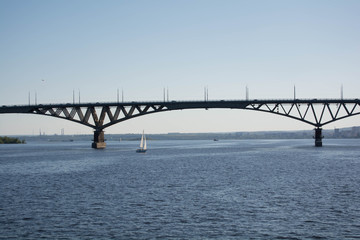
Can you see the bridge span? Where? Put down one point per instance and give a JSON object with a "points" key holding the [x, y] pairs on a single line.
{"points": [[316, 112]]}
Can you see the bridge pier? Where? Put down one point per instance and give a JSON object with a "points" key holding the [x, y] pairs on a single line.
{"points": [[99, 140], [318, 137]]}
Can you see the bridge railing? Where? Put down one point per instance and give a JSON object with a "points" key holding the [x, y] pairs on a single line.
{"points": [[320, 100]]}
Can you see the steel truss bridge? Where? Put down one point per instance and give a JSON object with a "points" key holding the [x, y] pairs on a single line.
{"points": [[316, 112]]}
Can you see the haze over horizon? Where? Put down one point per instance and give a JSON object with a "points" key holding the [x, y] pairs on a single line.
{"points": [[53, 49]]}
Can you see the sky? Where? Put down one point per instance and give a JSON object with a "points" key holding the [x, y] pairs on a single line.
{"points": [[54, 48]]}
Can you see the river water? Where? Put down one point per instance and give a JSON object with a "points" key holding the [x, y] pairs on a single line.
{"points": [[258, 189]]}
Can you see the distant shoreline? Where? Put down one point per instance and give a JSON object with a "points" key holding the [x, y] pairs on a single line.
{"points": [[351, 132]]}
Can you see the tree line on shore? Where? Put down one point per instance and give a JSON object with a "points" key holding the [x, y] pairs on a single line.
{"points": [[10, 140]]}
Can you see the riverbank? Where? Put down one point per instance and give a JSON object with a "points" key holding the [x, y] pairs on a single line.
{"points": [[10, 140]]}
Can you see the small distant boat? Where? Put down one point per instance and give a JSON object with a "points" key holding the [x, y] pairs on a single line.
{"points": [[142, 148], [215, 139]]}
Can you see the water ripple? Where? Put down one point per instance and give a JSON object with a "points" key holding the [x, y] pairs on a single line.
{"points": [[241, 190]]}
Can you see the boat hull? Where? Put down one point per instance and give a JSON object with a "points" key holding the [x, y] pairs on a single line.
{"points": [[141, 150]]}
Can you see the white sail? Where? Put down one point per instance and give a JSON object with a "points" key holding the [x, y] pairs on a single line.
{"points": [[144, 142]]}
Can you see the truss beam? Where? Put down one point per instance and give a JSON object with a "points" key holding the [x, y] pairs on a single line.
{"points": [[99, 116]]}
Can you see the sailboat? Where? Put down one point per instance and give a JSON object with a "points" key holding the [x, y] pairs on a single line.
{"points": [[142, 148]]}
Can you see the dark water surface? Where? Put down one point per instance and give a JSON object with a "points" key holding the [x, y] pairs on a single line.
{"points": [[274, 189]]}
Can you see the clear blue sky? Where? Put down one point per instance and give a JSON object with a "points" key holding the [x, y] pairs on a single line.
{"points": [[96, 47]]}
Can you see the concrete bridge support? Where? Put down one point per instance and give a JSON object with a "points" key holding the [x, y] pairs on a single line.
{"points": [[318, 137], [99, 140]]}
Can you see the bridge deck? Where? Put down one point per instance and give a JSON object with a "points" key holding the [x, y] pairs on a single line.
{"points": [[177, 104]]}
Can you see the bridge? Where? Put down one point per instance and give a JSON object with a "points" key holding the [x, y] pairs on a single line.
{"points": [[316, 112]]}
